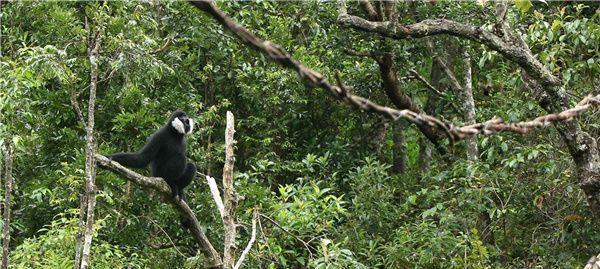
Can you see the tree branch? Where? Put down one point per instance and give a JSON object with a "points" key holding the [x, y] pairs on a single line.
{"points": [[418, 76], [161, 186], [238, 264], [342, 92], [514, 52], [229, 196]]}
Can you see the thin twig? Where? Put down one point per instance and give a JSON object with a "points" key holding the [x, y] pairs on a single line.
{"points": [[238, 264], [306, 245]]}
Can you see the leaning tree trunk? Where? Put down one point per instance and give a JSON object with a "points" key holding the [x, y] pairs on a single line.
{"points": [[7, 196]]}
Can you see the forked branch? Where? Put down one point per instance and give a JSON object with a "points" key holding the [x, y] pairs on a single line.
{"points": [[161, 187]]}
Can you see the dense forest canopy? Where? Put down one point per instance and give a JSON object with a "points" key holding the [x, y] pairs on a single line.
{"points": [[368, 134]]}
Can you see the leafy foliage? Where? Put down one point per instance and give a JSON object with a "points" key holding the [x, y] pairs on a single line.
{"points": [[319, 171]]}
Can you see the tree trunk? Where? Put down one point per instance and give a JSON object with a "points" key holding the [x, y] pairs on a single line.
{"points": [[229, 196], [399, 162], [90, 162], [403, 101], [81, 230], [0, 28], [582, 147], [7, 196], [381, 129], [469, 105], [424, 147]]}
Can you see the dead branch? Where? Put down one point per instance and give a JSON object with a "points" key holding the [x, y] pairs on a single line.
{"points": [[371, 54], [306, 245], [497, 125], [593, 263], [418, 76], [238, 264], [214, 191], [161, 187], [229, 196]]}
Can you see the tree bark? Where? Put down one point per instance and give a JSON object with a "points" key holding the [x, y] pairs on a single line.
{"points": [[582, 147], [424, 146], [402, 101], [0, 28], [229, 196], [469, 105], [424, 28], [90, 150], [80, 230], [8, 159], [399, 162], [161, 186]]}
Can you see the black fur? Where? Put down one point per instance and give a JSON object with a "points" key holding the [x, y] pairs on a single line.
{"points": [[165, 152]]}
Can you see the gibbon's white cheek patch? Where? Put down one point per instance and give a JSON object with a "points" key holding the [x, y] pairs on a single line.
{"points": [[191, 126], [178, 125]]}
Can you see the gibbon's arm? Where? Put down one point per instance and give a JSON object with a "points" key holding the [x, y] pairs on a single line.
{"points": [[141, 158]]}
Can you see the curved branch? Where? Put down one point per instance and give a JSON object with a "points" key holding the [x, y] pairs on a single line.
{"points": [[161, 186], [514, 52], [342, 92]]}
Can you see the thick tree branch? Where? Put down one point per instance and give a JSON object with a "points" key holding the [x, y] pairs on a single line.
{"points": [[342, 92], [314, 78], [161, 186], [513, 51]]}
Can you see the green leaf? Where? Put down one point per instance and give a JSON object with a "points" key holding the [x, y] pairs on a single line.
{"points": [[523, 5]]}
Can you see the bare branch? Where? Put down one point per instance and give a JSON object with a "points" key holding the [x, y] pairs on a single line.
{"points": [[497, 125], [76, 107], [229, 197], [90, 150], [214, 191], [314, 78], [306, 245], [161, 186], [593, 263], [238, 264], [450, 74], [418, 76], [371, 54], [8, 186]]}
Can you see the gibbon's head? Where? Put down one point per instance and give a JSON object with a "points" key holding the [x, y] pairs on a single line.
{"points": [[181, 123]]}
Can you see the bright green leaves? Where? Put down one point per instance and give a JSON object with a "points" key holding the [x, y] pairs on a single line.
{"points": [[523, 5]]}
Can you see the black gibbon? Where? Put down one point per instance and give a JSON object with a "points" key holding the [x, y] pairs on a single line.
{"points": [[165, 152]]}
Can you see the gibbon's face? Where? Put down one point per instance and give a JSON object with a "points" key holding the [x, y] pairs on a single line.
{"points": [[182, 123]]}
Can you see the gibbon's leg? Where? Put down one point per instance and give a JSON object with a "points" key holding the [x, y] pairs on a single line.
{"points": [[186, 179], [174, 189], [134, 160]]}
